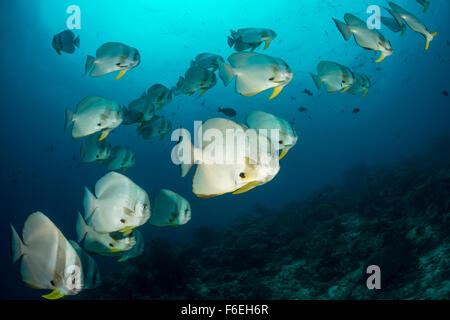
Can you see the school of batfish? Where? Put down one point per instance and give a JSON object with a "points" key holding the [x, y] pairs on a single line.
{"points": [[116, 207]]}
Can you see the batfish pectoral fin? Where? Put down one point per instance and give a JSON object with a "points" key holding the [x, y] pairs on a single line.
{"points": [[283, 153], [121, 74], [267, 44], [208, 196], [247, 187], [381, 58], [54, 295], [345, 90], [104, 135], [203, 92], [32, 286], [365, 93], [275, 92]]}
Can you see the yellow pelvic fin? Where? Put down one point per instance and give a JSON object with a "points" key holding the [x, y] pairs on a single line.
{"points": [[54, 295], [345, 89], [267, 44], [365, 93], [104, 135], [434, 34], [275, 92], [121, 74], [127, 230], [203, 92], [283, 153], [381, 58], [113, 250], [247, 187]]}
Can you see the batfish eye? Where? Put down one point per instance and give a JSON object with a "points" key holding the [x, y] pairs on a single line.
{"points": [[99, 124], [280, 142], [271, 79], [122, 220], [73, 280], [52, 282], [111, 245], [242, 175], [97, 156]]}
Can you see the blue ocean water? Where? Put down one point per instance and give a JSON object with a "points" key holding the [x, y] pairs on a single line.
{"points": [[403, 111]]}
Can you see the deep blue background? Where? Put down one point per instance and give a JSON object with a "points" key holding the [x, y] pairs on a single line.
{"points": [[406, 101]]}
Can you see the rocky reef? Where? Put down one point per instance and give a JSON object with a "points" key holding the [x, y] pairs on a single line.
{"points": [[395, 216]]}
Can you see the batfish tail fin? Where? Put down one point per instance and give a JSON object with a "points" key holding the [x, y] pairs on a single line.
{"points": [[230, 42], [89, 202], [183, 153], [81, 228]]}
